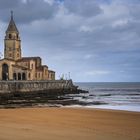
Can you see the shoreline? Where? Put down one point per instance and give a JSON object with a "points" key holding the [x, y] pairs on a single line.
{"points": [[68, 123], [100, 108], [71, 107]]}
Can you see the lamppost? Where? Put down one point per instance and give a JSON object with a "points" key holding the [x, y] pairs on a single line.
{"points": [[69, 75]]}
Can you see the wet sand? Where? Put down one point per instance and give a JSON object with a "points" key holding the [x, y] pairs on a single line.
{"points": [[68, 124]]}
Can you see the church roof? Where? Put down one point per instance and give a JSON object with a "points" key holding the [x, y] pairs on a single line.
{"points": [[7, 59], [45, 66], [28, 58], [12, 26], [24, 68], [40, 68], [51, 71]]}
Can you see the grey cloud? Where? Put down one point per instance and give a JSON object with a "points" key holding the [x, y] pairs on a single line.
{"points": [[135, 10], [5, 4], [86, 8], [29, 11]]}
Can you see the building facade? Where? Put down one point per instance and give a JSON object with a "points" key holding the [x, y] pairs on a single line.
{"points": [[15, 67]]}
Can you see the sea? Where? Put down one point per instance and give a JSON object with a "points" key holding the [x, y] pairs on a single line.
{"points": [[116, 96]]}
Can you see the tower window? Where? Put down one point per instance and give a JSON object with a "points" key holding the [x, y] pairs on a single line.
{"points": [[10, 49], [29, 75], [17, 36], [10, 36]]}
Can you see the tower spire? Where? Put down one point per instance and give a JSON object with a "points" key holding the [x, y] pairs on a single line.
{"points": [[12, 26], [11, 14]]}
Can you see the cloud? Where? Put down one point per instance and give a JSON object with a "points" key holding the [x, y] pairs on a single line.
{"points": [[88, 56], [86, 29], [120, 23], [27, 11], [86, 8], [6, 4], [51, 2]]}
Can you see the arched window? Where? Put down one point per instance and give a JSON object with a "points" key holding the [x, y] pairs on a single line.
{"points": [[23, 76], [14, 76], [10, 49], [35, 75], [17, 36], [19, 76], [5, 72], [29, 75], [10, 36]]}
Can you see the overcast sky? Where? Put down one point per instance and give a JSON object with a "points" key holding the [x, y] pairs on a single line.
{"points": [[94, 40]]}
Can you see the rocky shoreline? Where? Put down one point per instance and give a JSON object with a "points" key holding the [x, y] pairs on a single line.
{"points": [[32, 99]]}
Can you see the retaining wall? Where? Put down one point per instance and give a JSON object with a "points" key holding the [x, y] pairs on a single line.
{"points": [[36, 86]]}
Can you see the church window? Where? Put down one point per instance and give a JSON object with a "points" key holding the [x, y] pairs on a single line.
{"points": [[17, 36], [10, 36], [14, 76], [19, 76], [10, 49], [23, 76], [36, 75], [29, 75], [18, 55]]}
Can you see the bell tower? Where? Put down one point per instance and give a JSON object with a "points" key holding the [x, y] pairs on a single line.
{"points": [[12, 42]]}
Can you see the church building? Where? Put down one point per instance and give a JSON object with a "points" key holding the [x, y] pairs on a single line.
{"points": [[15, 67]]}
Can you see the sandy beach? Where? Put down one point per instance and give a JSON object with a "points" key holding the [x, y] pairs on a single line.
{"points": [[68, 124]]}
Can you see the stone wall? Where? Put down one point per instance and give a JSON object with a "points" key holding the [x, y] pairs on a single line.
{"points": [[36, 86]]}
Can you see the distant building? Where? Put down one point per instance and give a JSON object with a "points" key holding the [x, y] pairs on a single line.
{"points": [[16, 67]]}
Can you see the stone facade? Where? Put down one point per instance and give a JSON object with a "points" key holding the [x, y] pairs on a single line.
{"points": [[15, 67]]}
